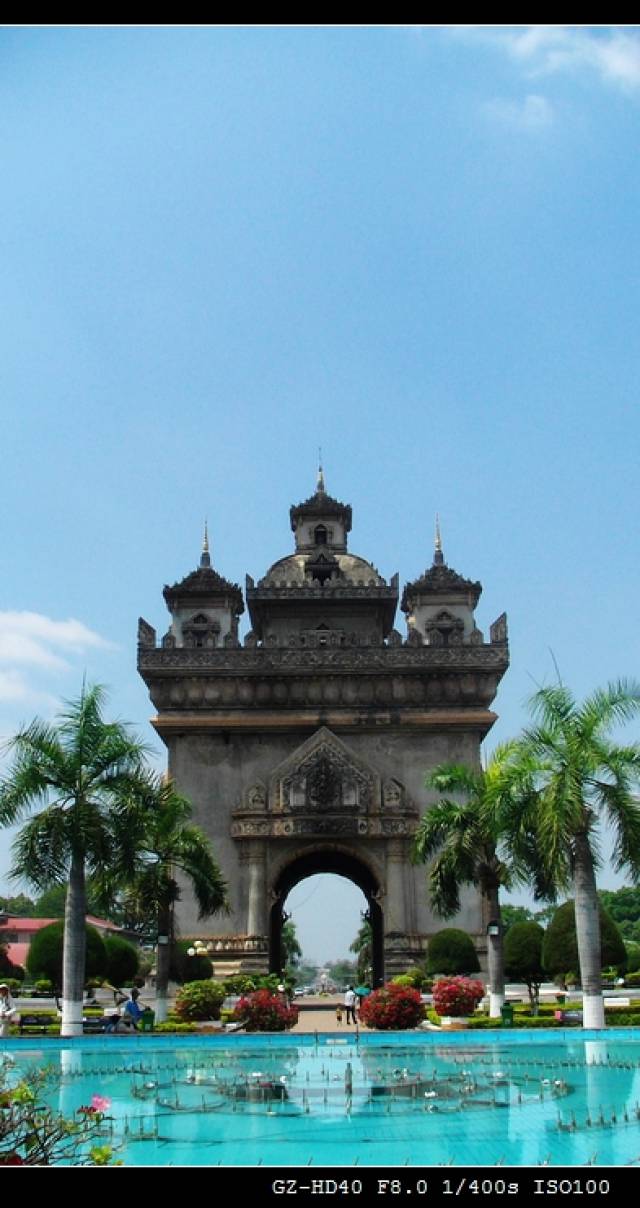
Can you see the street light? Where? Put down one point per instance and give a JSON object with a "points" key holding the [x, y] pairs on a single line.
{"points": [[199, 948]]}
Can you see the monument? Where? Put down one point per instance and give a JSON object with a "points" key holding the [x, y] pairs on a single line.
{"points": [[304, 748]]}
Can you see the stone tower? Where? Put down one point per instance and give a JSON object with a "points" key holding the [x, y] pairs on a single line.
{"points": [[305, 749]]}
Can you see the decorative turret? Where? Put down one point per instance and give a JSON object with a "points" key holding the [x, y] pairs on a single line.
{"points": [[321, 520], [440, 604], [321, 595], [204, 606]]}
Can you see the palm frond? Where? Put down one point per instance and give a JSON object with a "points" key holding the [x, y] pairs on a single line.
{"points": [[41, 850], [454, 778], [553, 706], [619, 702]]}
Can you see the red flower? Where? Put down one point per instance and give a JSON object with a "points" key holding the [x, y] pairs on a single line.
{"points": [[457, 996], [263, 1011], [392, 1007]]}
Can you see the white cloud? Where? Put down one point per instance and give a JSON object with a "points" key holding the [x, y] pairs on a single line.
{"points": [[33, 646], [26, 637], [610, 52], [14, 687], [533, 113]]}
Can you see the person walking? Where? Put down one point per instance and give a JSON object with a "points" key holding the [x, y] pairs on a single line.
{"points": [[350, 1005]]}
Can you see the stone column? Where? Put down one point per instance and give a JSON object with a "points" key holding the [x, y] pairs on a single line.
{"points": [[257, 904], [395, 918]]}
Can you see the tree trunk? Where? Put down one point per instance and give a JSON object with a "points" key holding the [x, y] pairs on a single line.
{"points": [[74, 950], [495, 953], [588, 934], [163, 961]]}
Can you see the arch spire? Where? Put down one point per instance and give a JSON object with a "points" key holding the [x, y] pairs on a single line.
{"points": [[320, 487], [438, 556], [205, 557]]}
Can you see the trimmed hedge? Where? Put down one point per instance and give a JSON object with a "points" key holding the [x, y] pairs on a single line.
{"points": [[185, 969], [200, 1000], [45, 953], [122, 961], [452, 951], [560, 946]]}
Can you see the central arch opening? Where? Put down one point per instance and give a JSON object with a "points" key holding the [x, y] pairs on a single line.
{"points": [[364, 909]]}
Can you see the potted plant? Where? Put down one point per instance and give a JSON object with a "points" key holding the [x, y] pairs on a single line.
{"points": [[455, 999]]}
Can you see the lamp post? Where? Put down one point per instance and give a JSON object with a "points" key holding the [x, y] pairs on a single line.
{"points": [[495, 957], [199, 948]]}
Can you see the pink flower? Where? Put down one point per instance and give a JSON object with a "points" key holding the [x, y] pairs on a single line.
{"points": [[99, 1103]]}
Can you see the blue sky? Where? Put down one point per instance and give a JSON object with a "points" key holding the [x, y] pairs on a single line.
{"points": [[221, 247]]}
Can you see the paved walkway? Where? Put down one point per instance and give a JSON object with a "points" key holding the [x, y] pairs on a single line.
{"points": [[323, 1019]]}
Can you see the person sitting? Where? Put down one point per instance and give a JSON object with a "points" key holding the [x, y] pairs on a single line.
{"points": [[132, 1011], [7, 1010], [111, 1021]]}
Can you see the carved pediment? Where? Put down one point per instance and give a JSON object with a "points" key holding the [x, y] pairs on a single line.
{"points": [[324, 776], [324, 788]]}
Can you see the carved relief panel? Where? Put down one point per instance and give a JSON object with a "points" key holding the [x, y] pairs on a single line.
{"points": [[324, 788]]}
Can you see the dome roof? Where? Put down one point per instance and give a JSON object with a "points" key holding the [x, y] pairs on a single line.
{"points": [[354, 571]]}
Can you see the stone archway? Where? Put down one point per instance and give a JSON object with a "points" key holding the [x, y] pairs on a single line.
{"points": [[343, 864], [317, 732]]}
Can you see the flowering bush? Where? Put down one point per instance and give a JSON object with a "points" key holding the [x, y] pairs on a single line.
{"points": [[392, 1006], [200, 1000], [457, 996], [34, 1134], [265, 1012]]}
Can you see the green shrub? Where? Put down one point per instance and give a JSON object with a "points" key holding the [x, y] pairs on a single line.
{"points": [[44, 985], [270, 981], [45, 953], [173, 1026], [452, 951], [632, 979], [200, 1000], [560, 947], [185, 969], [13, 983], [7, 967], [621, 1018], [240, 984], [483, 1022], [633, 957], [403, 979], [122, 961], [417, 977], [523, 957]]}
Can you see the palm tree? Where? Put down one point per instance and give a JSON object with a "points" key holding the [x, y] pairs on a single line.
{"points": [[363, 947], [79, 775], [461, 838], [582, 778], [290, 950], [169, 847]]}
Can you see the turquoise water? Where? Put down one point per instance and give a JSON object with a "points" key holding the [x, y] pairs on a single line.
{"points": [[399, 1099]]}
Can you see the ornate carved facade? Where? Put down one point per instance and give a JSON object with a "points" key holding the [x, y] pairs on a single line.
{"points": [[304, 749]]}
